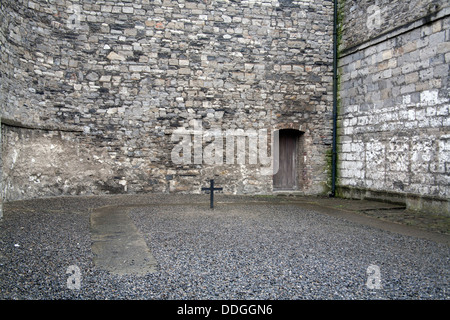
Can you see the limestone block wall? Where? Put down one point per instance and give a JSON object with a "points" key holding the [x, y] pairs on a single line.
{"points": [[394, 138], [365, 20], [101, 86]]}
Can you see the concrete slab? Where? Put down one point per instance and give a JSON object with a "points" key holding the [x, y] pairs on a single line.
{"points": [[117, 244]]}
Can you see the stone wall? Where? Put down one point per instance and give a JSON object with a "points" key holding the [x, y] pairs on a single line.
{"points": [[1, 172], [100, 87], [366, 20], [91, 94], [394, 138]]}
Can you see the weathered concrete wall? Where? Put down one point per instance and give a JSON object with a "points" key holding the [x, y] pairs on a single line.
{"points": [[114, 79], [40, 163], [394, 105]]}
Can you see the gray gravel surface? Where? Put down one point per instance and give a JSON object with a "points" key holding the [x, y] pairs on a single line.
{"points": [[240, 250]]}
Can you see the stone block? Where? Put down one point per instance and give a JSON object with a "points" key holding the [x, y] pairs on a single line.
{"points": [[126, 9]]}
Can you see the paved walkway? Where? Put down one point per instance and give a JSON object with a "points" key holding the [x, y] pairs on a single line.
{"points": [[117, 244]]}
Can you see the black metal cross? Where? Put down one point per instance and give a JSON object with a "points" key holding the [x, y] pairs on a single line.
{"points": [[211, 189]]}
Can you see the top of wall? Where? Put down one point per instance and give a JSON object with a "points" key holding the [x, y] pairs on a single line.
{"points": [[83, 63], [365, 20]]}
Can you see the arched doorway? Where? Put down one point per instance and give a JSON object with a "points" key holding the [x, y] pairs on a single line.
{"points": [[288, 176]]}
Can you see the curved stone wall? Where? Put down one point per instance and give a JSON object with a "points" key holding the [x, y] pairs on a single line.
{"points": [[92, 92]]}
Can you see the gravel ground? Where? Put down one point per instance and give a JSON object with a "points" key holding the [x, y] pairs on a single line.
{"points": [[239, 250]]}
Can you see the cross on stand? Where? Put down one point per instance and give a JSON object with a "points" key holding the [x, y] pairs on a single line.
{"points": [[211, 189]]}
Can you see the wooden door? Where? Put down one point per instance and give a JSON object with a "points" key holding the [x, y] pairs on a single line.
{"points": [[286, 177]]}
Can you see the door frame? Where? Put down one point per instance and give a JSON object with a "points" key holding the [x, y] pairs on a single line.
{"points": [[298, 160]]}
